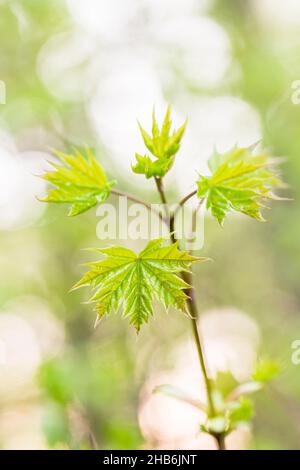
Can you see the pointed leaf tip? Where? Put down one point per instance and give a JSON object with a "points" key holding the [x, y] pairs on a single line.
{"points": [[80, 181], [124, 280], [163, 145]]}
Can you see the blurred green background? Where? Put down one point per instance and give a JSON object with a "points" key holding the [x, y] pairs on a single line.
{"points": [[81, 72]]}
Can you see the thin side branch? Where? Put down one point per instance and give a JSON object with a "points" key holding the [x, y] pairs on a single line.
{"points": [[191, 301], [187, 197], [135, 199]]}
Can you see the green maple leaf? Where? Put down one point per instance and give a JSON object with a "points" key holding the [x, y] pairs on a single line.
{"points": [[81, 181], [162, 144], [240, 181], [129, 281]]}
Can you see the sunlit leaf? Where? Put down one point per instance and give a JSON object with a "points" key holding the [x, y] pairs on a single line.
{"points": [[129, 281], [163, 144], [80, 181], [241, 181]]}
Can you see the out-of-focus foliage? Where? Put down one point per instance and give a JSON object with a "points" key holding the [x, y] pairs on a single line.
{"points": [[266, 370], [235, 408]]}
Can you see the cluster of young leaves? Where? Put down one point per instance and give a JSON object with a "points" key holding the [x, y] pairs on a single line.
{"points": [[129, 281], [233, 407], [80, 181], [122, 279], [163, 145], [241, 181]]}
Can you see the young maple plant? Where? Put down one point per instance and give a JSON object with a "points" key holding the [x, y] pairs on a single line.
{"points": [[241, 180]]}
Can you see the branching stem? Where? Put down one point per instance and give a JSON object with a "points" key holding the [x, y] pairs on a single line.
{"points": [[191, 301], [169, 219], [187, 197]]}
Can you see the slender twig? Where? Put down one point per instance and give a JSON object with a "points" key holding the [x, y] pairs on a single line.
{"points": [[195, 213], [132, 198], [135, 199], [180, 204], [187, 197], [160, 188], [191, 301], [194, 219]]}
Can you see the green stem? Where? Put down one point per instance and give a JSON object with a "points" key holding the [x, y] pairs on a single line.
{"points": [[220, 438], [160, 187], [191, 301], [132, 198], [194, 315], [161, 191], [186, 198]]}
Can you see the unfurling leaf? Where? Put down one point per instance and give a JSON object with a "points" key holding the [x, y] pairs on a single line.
{"points": [[239, 412], [241, 181], [81, 182], [266, 370], [247, 388], [224, 383], [162, 144], [129, 281], [147, 167]]}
